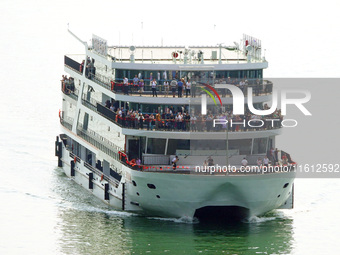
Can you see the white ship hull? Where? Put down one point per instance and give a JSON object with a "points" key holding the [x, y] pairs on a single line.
{"points": [[187, 195]]}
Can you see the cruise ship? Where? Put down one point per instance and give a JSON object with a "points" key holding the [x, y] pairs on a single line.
{"points": [[156, 130]]}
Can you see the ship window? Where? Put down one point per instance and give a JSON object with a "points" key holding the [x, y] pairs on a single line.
{"points": [[208, 145], [175, 144], [259, 145], [156, 146], [134, 183], [286, 185], [151, 186], [270, 143], [142, 144], [243, 146]]}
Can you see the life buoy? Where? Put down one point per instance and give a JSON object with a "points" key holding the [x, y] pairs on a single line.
{"points": [[75, 159], [102, 177]]}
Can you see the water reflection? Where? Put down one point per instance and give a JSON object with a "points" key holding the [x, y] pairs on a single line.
{"points": [[86, 226]]}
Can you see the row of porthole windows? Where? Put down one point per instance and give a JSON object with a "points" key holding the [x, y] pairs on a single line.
{"points": [[150, 186]]}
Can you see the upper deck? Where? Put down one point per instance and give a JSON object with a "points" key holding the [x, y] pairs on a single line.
{"points": [[247, 51], [180, 58]]}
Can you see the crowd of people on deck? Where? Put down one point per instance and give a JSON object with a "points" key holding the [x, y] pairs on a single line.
{"points": [[184, 86], [179, 119], [90, 69], [67, 84], [272, 158]]}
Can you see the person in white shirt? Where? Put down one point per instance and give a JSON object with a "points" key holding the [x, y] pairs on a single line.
{"points": [[179, 121], [166, 88], [259, 162], [187, 88], [174, 162], [265, 161], [126, 85], [193, 120], [244, 162], [153, 87]]}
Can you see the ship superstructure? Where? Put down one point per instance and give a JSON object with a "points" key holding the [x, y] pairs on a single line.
{"points": [[149, 130]]}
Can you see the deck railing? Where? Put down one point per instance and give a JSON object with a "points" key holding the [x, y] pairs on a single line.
{"points": [[67, 122], [110, 178], [100, 142], [100, 173], [234, 170], [170, 124]]}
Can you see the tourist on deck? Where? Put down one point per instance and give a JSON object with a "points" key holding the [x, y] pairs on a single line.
{"points": [[187, 121], [265, 161], [209, 122], [284, 160], [193, 126], [193, 89], [187, 88], [158, 121], [63, 84], [151, 121], [141, 87], [154, 87], [81, 67], [244, 162], [112, 107], [180, 87], [150, 79], [200, 123], [141, 121], [135, 83], [242, 85], [276, 156], [166, 88], [138, 162], [259, 162], [158, 77], [210, 161], [173, 85], [174, 162], [205, 163], [126, 86]]}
